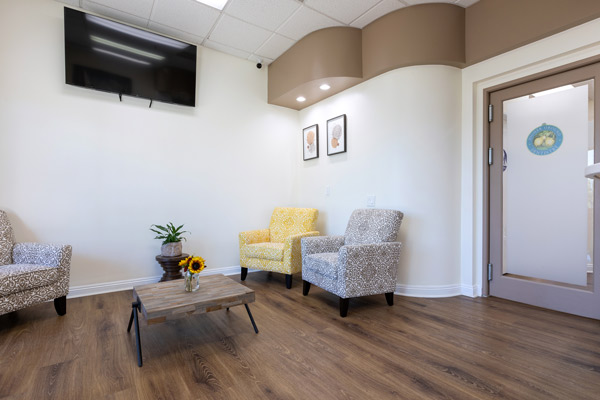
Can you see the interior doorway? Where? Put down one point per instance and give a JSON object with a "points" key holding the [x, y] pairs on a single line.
{"points": [[542, 222]]}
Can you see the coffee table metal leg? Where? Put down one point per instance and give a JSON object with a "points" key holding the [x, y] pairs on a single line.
{"points": [[251, 318], [138, 343], [130, 320]]}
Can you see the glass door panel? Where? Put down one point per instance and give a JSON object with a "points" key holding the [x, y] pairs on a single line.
{"points": [[547, 202]]}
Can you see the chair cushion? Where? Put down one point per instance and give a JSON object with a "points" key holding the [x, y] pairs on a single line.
{"points": [[370, 225], [288, 221], [265, 251], [7, 240], [19, 277], [323, 264]]}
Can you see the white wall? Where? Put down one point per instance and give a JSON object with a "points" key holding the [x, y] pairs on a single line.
{"points": [[77, 166], [563, 48], [403, 135]]}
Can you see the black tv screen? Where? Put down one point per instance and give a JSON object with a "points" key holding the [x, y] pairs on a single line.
{"points": [[105, 55]]}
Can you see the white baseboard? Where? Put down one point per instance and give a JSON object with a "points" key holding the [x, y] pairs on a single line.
{"points": [[117, 286], [470, 290], [428, 290], [402, 290]]}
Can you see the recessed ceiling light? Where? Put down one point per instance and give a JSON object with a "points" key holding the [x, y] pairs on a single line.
{"points": [[300, 99], [218, 4], [324, 87]]}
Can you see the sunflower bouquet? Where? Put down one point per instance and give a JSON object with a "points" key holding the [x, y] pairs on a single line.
{"points": [[192, 266]]}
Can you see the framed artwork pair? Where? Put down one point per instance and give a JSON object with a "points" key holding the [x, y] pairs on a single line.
{"points": [[336, 138]]}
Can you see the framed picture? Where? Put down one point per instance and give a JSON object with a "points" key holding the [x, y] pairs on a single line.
{"points": [[336, 135], [310, 142]]}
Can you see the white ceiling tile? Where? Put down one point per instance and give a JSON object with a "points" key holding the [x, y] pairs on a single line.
{"points": [[345, 11], [415, 2], [238, 34], [305, 21], [114, 14], [275, 46], [245, 27], [381, 9], [226, 49], [185, 15], [269, 14], [175, 33], [140, 8], [466, 3], [74, 3]]}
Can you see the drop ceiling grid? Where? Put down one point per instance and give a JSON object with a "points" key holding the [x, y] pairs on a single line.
{"points": [[274, 47], [379, 10], [114, 13], [228, 30], [267, 14], [250, 29], [140, 8], [186, 15], [344, 11], [305, 21]]}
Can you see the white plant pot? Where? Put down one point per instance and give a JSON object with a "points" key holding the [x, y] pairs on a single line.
{"points": [[171, 249]]}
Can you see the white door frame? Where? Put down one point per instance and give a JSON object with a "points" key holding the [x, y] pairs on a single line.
{"points": [[570, 46]]}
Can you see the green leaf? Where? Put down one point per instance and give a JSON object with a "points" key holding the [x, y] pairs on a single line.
{"points": [[169, 232], [162, 228]]}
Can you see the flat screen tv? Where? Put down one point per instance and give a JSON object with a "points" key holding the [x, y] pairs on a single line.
{"points": [[105, 55]]}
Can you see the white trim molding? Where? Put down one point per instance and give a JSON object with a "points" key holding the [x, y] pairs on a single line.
{"points": [[470, 290], [117, 286], [429, 290]]}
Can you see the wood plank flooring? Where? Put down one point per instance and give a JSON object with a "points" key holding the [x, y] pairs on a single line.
{"points": [[453, 348]]}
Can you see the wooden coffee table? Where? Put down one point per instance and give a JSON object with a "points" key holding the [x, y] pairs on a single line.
{"points": [[163, 301]]}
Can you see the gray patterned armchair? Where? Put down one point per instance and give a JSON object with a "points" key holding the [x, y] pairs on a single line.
{"points": [[32, 273], [363, 262]]}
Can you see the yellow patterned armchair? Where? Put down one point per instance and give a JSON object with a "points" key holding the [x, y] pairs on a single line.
{"points": [[277, 249]]}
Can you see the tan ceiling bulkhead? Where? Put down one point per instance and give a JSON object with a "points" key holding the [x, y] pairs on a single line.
{"points": [[427, 34], [330, 55]]}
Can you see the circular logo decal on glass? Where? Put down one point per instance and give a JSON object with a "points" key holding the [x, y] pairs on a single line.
{"points": [[544, 140]]}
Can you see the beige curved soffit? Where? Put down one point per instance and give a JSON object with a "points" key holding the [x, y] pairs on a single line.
{"points": [[418, 35], [423, 34], [343, 57], [327, 55]]}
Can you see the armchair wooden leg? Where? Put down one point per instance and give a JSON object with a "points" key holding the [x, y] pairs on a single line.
{"points": [[244, 273], [60, 305], [288, 281], [305, 287], [344, 307], [390, 298]]}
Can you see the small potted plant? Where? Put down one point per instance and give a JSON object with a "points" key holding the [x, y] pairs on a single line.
{"points": [[171, 237]]}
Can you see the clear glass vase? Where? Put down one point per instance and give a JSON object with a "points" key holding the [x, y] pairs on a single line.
{"points": [[192, 283]]}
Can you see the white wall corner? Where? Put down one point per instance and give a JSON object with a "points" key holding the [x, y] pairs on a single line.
{"points": [[429, 290], [117, 286]]}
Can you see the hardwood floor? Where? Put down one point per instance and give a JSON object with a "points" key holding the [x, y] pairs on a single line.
{"points": [[453, 348]]}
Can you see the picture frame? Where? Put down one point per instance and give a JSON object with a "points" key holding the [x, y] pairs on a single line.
{"points": [[336, 135], [310, 142]]}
